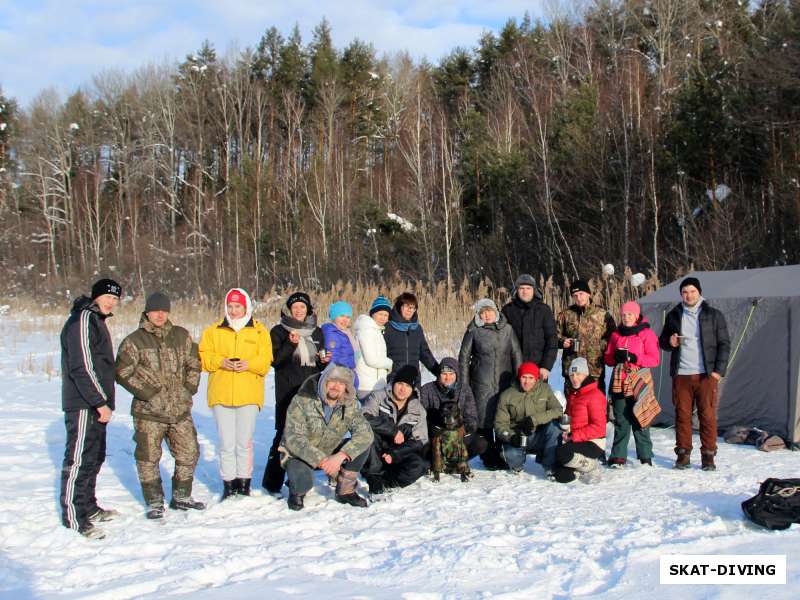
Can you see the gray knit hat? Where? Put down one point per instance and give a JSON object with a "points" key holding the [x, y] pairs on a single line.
{"points": [[578, 365], [157, 301]]}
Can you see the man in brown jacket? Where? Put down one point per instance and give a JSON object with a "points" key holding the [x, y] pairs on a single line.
{"points": [[159, 365]]}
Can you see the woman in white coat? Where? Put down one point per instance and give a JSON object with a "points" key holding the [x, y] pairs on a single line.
{"points": [[372, 365]]}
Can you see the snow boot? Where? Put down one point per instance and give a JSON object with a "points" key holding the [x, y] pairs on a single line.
{"points": [[615, 463], [244, 486], [581, 463], [228, 490], [295, 501], [91, 532], [346, 483], [154, 498], [707, 460], [375, 483], [155, 511], [182, 497], [101, 515], [646, 461], [273, 474], [683, 460]]}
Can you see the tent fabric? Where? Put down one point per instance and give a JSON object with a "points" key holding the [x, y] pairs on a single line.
{"points": [[762, 310]]}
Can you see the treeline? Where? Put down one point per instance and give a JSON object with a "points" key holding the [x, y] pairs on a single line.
{"points": [[654, 134]]}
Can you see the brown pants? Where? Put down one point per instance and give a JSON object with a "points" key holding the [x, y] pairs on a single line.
{"points": [[686, 390]]}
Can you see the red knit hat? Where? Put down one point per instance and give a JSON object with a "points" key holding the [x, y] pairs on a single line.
{"points": [[528, 368], [236, 296]]}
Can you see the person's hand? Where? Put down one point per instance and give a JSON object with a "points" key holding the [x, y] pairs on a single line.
{"points": [[567, 344], [716, 376], [399, 438], [387, 458], [229, 365], [566, 436], [620, 355], [242, 365], [104, 414], [528, 425], [544, 374], [294, 337], [332, 464], [674, 341]]}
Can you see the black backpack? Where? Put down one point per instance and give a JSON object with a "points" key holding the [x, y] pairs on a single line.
{"points": [[777, 504]]}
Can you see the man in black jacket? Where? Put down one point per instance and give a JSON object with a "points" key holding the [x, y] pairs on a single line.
{"points": [[87, 398], [696, 336], [534, 324]]}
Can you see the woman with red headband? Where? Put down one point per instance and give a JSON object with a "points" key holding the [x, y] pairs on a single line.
{"points": [[237, 353]]}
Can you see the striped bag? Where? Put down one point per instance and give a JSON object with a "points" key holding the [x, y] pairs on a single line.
{"points": [[647, 407]]}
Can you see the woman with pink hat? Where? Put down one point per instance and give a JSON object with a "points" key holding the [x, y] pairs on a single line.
{"points": [[632, 346]]}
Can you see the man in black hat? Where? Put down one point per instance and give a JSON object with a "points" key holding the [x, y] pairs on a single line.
{"points": [[584, 330], [400, 425], [696, 336], [533, 323], [87, 398]]}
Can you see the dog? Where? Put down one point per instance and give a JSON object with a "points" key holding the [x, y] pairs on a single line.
{"points": [[447, 446]]}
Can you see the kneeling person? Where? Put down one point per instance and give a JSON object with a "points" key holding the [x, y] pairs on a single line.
{"points": [[322, 413], [527, 420], [400, 426], [159, 365]]}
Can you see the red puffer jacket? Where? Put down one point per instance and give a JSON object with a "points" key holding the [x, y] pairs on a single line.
{"points": [[586, 408]]}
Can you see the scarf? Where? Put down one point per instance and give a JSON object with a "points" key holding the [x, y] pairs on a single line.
{"points": [[694, 309], [630, 331], [620, 382], [353, 341], [404, 326], [306, 351]]}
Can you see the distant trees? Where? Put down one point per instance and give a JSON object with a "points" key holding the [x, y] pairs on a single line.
{"points": [[654, 134]]}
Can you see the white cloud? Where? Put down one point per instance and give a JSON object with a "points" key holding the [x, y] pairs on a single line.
{"points": [[54, 44]]}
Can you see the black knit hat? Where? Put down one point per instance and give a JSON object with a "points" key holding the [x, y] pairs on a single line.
{"points": [[106, 286], [407, 374], [579, 285], [300, 297], [691, 281], [157, 301]]}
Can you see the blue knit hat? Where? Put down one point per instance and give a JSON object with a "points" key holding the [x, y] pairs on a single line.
{"points": [[380, 303], [339, 309]]}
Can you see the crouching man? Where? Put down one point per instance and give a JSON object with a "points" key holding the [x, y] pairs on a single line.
{"points": [[400, 426], [322, 413], [527, 421], [159, 365]]}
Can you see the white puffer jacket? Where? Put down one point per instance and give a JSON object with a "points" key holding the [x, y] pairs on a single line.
{"points": [[372, 365]]}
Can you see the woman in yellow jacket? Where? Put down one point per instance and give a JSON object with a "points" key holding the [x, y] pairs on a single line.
{"points": [[237, 353]]}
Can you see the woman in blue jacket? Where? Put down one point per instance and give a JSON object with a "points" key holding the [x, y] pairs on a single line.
{"points": [[340, 343]]}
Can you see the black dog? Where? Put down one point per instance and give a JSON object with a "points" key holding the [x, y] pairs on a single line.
{"points": [[448, 447]]}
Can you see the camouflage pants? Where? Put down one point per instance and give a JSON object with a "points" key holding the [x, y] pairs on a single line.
{"points": [[182, 443]]}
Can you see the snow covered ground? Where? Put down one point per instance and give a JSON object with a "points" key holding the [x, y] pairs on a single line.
{"points": [[497, 536]]}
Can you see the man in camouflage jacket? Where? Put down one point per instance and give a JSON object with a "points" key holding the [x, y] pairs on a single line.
{"points": [[322, 413], [159, 365], [591, 326]]}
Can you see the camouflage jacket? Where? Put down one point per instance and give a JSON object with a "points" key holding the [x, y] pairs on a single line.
{"points": [[309, 438], [160, 367], [593, 326]]}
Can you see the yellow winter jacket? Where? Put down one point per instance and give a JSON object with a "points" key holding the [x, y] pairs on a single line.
{"points": [[251, 343]]}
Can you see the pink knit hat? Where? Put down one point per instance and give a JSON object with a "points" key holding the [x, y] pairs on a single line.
{"points": [[631, 307]]}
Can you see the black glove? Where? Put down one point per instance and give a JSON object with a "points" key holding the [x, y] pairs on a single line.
{"points": [[632, 358], [621, 355], [518, 439], [407, 430], [528, 425]]}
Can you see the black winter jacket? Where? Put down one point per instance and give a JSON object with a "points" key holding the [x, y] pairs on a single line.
{"points": [[714, 338], [433, 395], [535, 326], [407, 347], [289, 375], [87, 359]]}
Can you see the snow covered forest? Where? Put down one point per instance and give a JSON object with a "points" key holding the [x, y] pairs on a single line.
{"points": [[654, 134]]}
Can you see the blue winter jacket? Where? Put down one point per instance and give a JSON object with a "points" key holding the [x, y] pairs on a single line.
{"points": [[338, 345]]}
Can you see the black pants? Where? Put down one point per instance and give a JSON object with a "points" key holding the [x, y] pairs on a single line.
{"points": [[566, 452], [301, 474], [84, 455], [400, 473], [273, 472]]}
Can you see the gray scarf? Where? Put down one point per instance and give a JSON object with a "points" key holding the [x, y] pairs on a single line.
{"points": [[306, 351]]}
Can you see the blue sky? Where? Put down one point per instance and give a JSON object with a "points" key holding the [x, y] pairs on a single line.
{"points": [[47, 43]]}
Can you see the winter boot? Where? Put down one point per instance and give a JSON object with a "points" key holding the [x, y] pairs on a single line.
{"points": [[646, 461], [182, 497], [615, 463], [707, 459], [295, 501], [228, 490], [273, 474], [154, 498], [346, 482], [684, 455], [101, 515], [91, 532], [581, 463], [244, 487], [375, 483]]}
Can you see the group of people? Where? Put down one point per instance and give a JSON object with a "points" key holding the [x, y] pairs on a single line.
{"points": [[348, 401]]}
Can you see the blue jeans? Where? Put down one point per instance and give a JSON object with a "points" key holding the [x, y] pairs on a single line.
{"points": [[542, 442]]}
